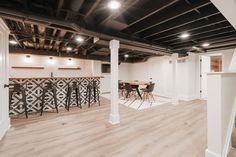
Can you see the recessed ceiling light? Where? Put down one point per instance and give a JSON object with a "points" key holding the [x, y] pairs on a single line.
{"points": [[69, 48], [80, 39], [194, 47], [114, 4], [205, 44], [126, 55], [13, 42], [184, 35]]}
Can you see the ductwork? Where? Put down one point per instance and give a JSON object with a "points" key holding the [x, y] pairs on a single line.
{"points": [[73, 27], [75, 5]]}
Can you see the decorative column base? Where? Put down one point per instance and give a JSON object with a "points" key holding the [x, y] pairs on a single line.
{"points": [[114, 119]]}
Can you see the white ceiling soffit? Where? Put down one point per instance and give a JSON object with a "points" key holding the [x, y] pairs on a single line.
{"points": [[228, 9]]}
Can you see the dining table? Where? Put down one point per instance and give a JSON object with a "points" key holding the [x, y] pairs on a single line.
{"points": [[136, 84]]}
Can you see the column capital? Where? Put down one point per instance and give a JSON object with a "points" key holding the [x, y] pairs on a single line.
{"points": [[114, 44]]}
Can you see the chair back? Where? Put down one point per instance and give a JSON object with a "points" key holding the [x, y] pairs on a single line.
{"points": [[150, 87], [120, 86], [128, 87]]}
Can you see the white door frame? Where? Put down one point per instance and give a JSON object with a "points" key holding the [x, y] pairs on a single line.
{"points": [[200, 70], [4, 70]]}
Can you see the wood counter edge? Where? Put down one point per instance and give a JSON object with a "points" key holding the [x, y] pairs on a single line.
{"points": [[32, 78]]}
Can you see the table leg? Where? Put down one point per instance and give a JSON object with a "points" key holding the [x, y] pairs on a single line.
{"points": [[137, 89]]}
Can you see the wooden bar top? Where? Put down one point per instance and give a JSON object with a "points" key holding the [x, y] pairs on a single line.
{"points": [[31, 78]]}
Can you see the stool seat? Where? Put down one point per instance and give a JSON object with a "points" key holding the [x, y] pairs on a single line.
{"points": [[49, 87], [74, 87]]}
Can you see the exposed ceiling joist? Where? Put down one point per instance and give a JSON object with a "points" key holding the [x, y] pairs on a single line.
{"points": [[166, 15]]}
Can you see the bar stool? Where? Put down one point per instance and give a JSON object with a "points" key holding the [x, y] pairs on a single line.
{"points": [[71, 88], [46, 89], [96, 94], [18, 89]]}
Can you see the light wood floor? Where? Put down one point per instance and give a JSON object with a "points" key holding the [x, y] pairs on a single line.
{"points": [[162, 131]]}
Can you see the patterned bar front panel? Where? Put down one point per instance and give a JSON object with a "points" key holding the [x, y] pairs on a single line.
{"points": [[34, 90]]}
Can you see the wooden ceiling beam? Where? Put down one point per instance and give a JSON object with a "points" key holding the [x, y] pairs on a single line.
{"points": [[208, 35], [126, 5], [200, 36], [185, 19], [226, 38], [153, 8], [194, 31], [59, 7], [173, 11]]}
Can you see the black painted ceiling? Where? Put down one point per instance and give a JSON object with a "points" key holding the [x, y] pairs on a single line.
{"points": [[153, 22]]}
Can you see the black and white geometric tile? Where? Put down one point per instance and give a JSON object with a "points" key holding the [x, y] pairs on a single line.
{"points": [[34, 89]]}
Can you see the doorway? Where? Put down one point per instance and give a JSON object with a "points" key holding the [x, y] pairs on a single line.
{"points": [[208, 63]]}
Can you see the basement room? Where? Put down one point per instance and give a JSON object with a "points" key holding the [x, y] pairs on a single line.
{"points": [[117, 78]]}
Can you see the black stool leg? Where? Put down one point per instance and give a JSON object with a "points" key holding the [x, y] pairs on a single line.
{"points": [[79, 94], [98, 97], [44, 91], [10, 98], [67, 96], [55, 98], [25, 103], [89, 96], [77, 97], [94, 94]]}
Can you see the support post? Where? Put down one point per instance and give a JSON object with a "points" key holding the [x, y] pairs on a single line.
{"points": [[114, 115], [175, 99]]}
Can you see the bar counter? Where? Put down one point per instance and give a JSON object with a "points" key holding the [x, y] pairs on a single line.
{"points": [[34, 87]]}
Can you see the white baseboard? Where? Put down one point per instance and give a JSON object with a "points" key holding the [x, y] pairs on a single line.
{"points": [[209, 153], [4, 126]]}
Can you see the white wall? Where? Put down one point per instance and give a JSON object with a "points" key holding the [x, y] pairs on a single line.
{"points": [[88, 68], [160, 70], [49, 66], [124, 73]]}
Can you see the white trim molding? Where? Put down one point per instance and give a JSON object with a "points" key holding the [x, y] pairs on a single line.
{"points": [[4, 126], [231, 126], [211, 154]]}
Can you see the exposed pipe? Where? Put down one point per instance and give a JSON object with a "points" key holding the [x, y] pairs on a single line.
{"points": [[13, 15]]}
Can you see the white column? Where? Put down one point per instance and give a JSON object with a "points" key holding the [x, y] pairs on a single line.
{"points": [[221, 109], [114, 115], [175, 99]]}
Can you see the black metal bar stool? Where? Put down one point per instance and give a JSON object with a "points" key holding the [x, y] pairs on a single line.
{"points": [[93, 87], [18, 89], [74, 87], [49, 86]]}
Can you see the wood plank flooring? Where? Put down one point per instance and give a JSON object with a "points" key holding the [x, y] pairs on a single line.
{"points": [[162, 131]]}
